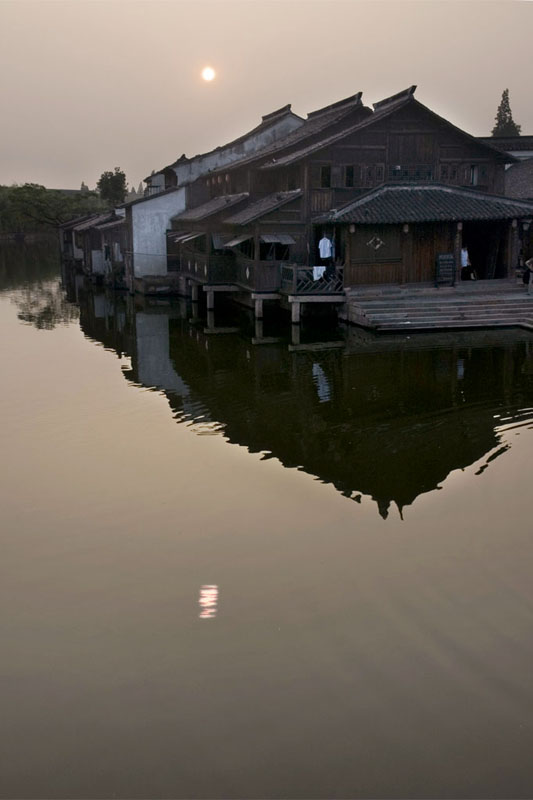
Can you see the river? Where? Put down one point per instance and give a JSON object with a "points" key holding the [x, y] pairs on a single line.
{"points": [[235, 568]]}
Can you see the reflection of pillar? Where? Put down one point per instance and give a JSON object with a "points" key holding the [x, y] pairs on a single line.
{"points": [[259, 309], [258, 328], [210, 300], [295, 312], [194, 292], [295, 334]]}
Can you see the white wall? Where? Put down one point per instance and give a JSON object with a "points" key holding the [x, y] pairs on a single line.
{"points": [[199, 165], [150, 221], [97, 262]]}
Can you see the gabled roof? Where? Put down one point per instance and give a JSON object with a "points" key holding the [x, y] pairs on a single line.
{"points": [[267, 120], [213, 206], [112, 224], [508, 144], [316, 122], [72, 223], [384, 108], [261, 207], [431, 202], [92, 222], [148, 197]]}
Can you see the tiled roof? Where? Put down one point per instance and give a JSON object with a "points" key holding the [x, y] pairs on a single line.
{"points": [[519, 180], [148, 197], [211, 207], [112, 224], [382, 109], [390, 204], [316, 122], [508, 144], [267, 120], [73, 223], [93, 222], [261, 207]]}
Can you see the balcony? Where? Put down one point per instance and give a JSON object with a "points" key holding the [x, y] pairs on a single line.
{"points": [[296, 279]]}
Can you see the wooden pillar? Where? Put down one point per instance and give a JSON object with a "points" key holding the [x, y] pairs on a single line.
{"points": [[258, 328], [210, 300], [512, 250], [194, 292], [210, 320], [407, 252], [295, 312], [295, 334], [258, 309], [458, 244]]}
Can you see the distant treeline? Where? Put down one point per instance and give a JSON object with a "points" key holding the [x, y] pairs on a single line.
{"points": [[31, 208]]}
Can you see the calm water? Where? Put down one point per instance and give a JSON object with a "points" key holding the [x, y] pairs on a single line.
{"points": [[245, 570]]}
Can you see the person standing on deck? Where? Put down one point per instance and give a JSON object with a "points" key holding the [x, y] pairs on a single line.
{"points": [[467, 273], [529, 266]]}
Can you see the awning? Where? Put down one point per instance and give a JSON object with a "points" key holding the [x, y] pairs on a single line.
{"points": [[191, 236], [178, 237], [219, 241], [277, 238], [239, 239], [184, 237]]}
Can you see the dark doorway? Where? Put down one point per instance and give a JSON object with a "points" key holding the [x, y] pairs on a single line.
{"points": [[485, 242]]}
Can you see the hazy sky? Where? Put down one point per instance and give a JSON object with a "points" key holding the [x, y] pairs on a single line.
{"points": [[87, 85]]}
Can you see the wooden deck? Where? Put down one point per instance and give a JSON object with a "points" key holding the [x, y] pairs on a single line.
{"points": [[485, 304]]}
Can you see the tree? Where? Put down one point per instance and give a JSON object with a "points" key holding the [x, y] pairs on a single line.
{"points": [[112, 186], [504, 123], [31, 207]]}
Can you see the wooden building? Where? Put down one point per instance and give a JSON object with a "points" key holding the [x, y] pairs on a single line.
{"points": [[441, 181], [395, 233]]}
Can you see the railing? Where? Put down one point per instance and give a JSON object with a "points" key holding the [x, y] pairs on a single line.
{"points": [[205, 268], [260, 276], [304, 280]]}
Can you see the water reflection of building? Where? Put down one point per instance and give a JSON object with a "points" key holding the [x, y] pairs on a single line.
{"points": [[386, 419]]}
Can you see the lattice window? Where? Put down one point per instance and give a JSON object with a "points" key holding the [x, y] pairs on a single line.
{"points": [[411, 172]]}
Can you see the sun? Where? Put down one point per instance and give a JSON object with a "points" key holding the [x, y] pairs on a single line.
{"points": [[208, 73]]}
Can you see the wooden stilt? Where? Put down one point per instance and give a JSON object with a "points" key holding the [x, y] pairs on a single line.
{"points": [[295, 312]]}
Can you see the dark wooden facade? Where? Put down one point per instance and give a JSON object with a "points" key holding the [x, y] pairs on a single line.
{"points": [[401, 141]]}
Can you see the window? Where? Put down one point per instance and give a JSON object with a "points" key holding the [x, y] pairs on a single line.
{"points": [[474, 175], [349, 176], [411, 172], [325, 177]]}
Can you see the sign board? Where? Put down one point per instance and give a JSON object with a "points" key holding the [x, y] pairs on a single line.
{"points": [[445, 269]]}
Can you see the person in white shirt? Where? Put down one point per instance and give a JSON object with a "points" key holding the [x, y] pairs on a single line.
{"points": [[467, 272], [529, 266]]}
